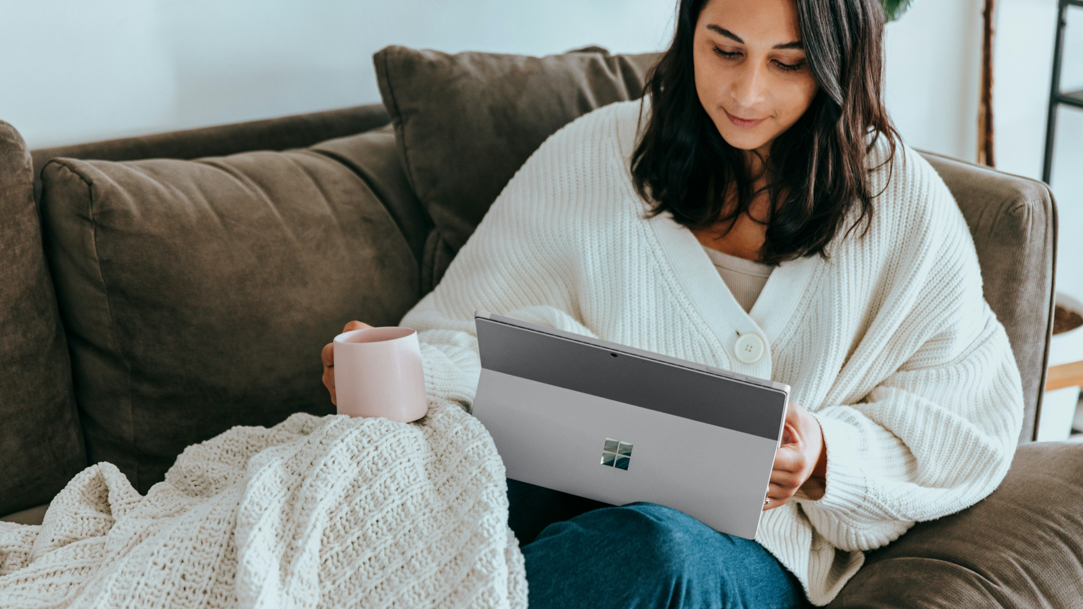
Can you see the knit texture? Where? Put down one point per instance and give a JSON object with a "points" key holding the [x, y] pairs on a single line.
{"points": [[890, 344], [313, 512]]}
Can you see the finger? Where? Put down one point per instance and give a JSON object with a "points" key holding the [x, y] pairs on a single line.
{"points": [[785, 479], [780, 492], [329, 378], [355, 325], [788, 458], [775, 501], [791, 412], [328, 355], [777, 495], [790, 434]]}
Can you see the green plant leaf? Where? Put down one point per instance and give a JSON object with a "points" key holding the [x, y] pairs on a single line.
{"points": [[893, 9]]}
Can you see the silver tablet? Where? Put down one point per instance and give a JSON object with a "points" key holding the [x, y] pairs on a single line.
{"points": [[618, 424]]}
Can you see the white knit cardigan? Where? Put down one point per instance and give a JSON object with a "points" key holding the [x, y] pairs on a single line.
{"points": [[890, 345]]}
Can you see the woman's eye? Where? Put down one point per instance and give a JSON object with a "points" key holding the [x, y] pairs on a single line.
{"points": [[784, 66]]}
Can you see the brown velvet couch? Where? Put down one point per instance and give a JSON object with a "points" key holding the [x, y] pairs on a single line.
{"points": [[155, 291]]}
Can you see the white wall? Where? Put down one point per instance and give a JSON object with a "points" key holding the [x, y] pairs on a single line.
{"points": [[1021, 82], [80, 70], [933, 81]]}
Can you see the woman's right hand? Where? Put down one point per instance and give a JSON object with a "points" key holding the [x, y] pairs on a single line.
{"points": [[328, 357]]}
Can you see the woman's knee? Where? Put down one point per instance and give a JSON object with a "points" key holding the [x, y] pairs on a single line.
{"points": [[638, 555], [663, 540], [645, 555]]}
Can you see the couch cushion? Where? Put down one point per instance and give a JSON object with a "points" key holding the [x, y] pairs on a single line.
{"points": [[1022, 546], [466, 122], [39, 426], [34, 515], [197, 294]]}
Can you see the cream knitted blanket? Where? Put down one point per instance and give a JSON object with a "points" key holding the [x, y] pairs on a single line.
{"points": [[313, 512]]}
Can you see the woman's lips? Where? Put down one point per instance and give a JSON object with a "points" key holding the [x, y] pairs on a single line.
{"points": [[742, 123]]}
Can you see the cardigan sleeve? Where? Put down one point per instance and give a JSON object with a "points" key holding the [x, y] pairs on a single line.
{"points": [[939, 432], [929, 441], [514, 263]]}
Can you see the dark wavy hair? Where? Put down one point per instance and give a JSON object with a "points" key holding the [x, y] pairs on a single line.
{"points": [[683, 165]]}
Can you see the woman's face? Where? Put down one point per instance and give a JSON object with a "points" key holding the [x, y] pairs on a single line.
{"points": [[749, 64]]}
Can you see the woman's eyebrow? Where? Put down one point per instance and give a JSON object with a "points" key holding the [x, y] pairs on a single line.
{"points": [[728, 34]]}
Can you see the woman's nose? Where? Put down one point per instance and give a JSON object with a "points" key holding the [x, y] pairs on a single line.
{"points": [[749, 89]]}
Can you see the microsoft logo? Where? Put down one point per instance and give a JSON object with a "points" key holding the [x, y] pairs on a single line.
{"points": [[616, 453]]}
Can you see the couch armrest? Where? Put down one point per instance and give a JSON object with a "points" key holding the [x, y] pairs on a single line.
{"points": [[1022, 546], [39, 425]]}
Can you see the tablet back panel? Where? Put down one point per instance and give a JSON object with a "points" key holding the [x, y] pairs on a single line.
{"points": [[617, 424]]}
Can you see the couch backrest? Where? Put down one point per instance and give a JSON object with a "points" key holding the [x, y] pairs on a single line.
{"points": [[271, 134]]}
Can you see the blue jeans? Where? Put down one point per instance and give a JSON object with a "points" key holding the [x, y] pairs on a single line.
{"points": [[591, 554]]}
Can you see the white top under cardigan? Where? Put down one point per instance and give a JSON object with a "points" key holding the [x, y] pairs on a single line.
{"points": [[890, 344], [744, 278]]}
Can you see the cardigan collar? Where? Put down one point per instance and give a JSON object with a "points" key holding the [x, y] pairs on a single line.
{"points": [[770, 317]]}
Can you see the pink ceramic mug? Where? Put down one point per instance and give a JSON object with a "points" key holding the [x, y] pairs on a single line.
{"points": [[378, 373]]}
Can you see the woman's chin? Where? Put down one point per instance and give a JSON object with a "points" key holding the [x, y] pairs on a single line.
{"points": [[743, 141]]}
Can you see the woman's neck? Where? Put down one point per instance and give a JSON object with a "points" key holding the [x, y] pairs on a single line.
{"points": [[757, 163], [746, 238]]}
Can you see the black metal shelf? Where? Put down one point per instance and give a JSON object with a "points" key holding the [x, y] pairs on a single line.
{"points": [[1056, 96], [1072, 98]]}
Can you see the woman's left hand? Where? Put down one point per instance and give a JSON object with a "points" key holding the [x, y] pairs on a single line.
{"points": [[801, 456]]}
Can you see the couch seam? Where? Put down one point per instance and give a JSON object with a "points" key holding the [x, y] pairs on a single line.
{"points": [[432, 243], [1044, 374], [402, 128], [109, 308], [400, 136], [378, 193]]}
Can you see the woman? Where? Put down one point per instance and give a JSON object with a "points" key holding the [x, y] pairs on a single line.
{"points": [[717, 222]]}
